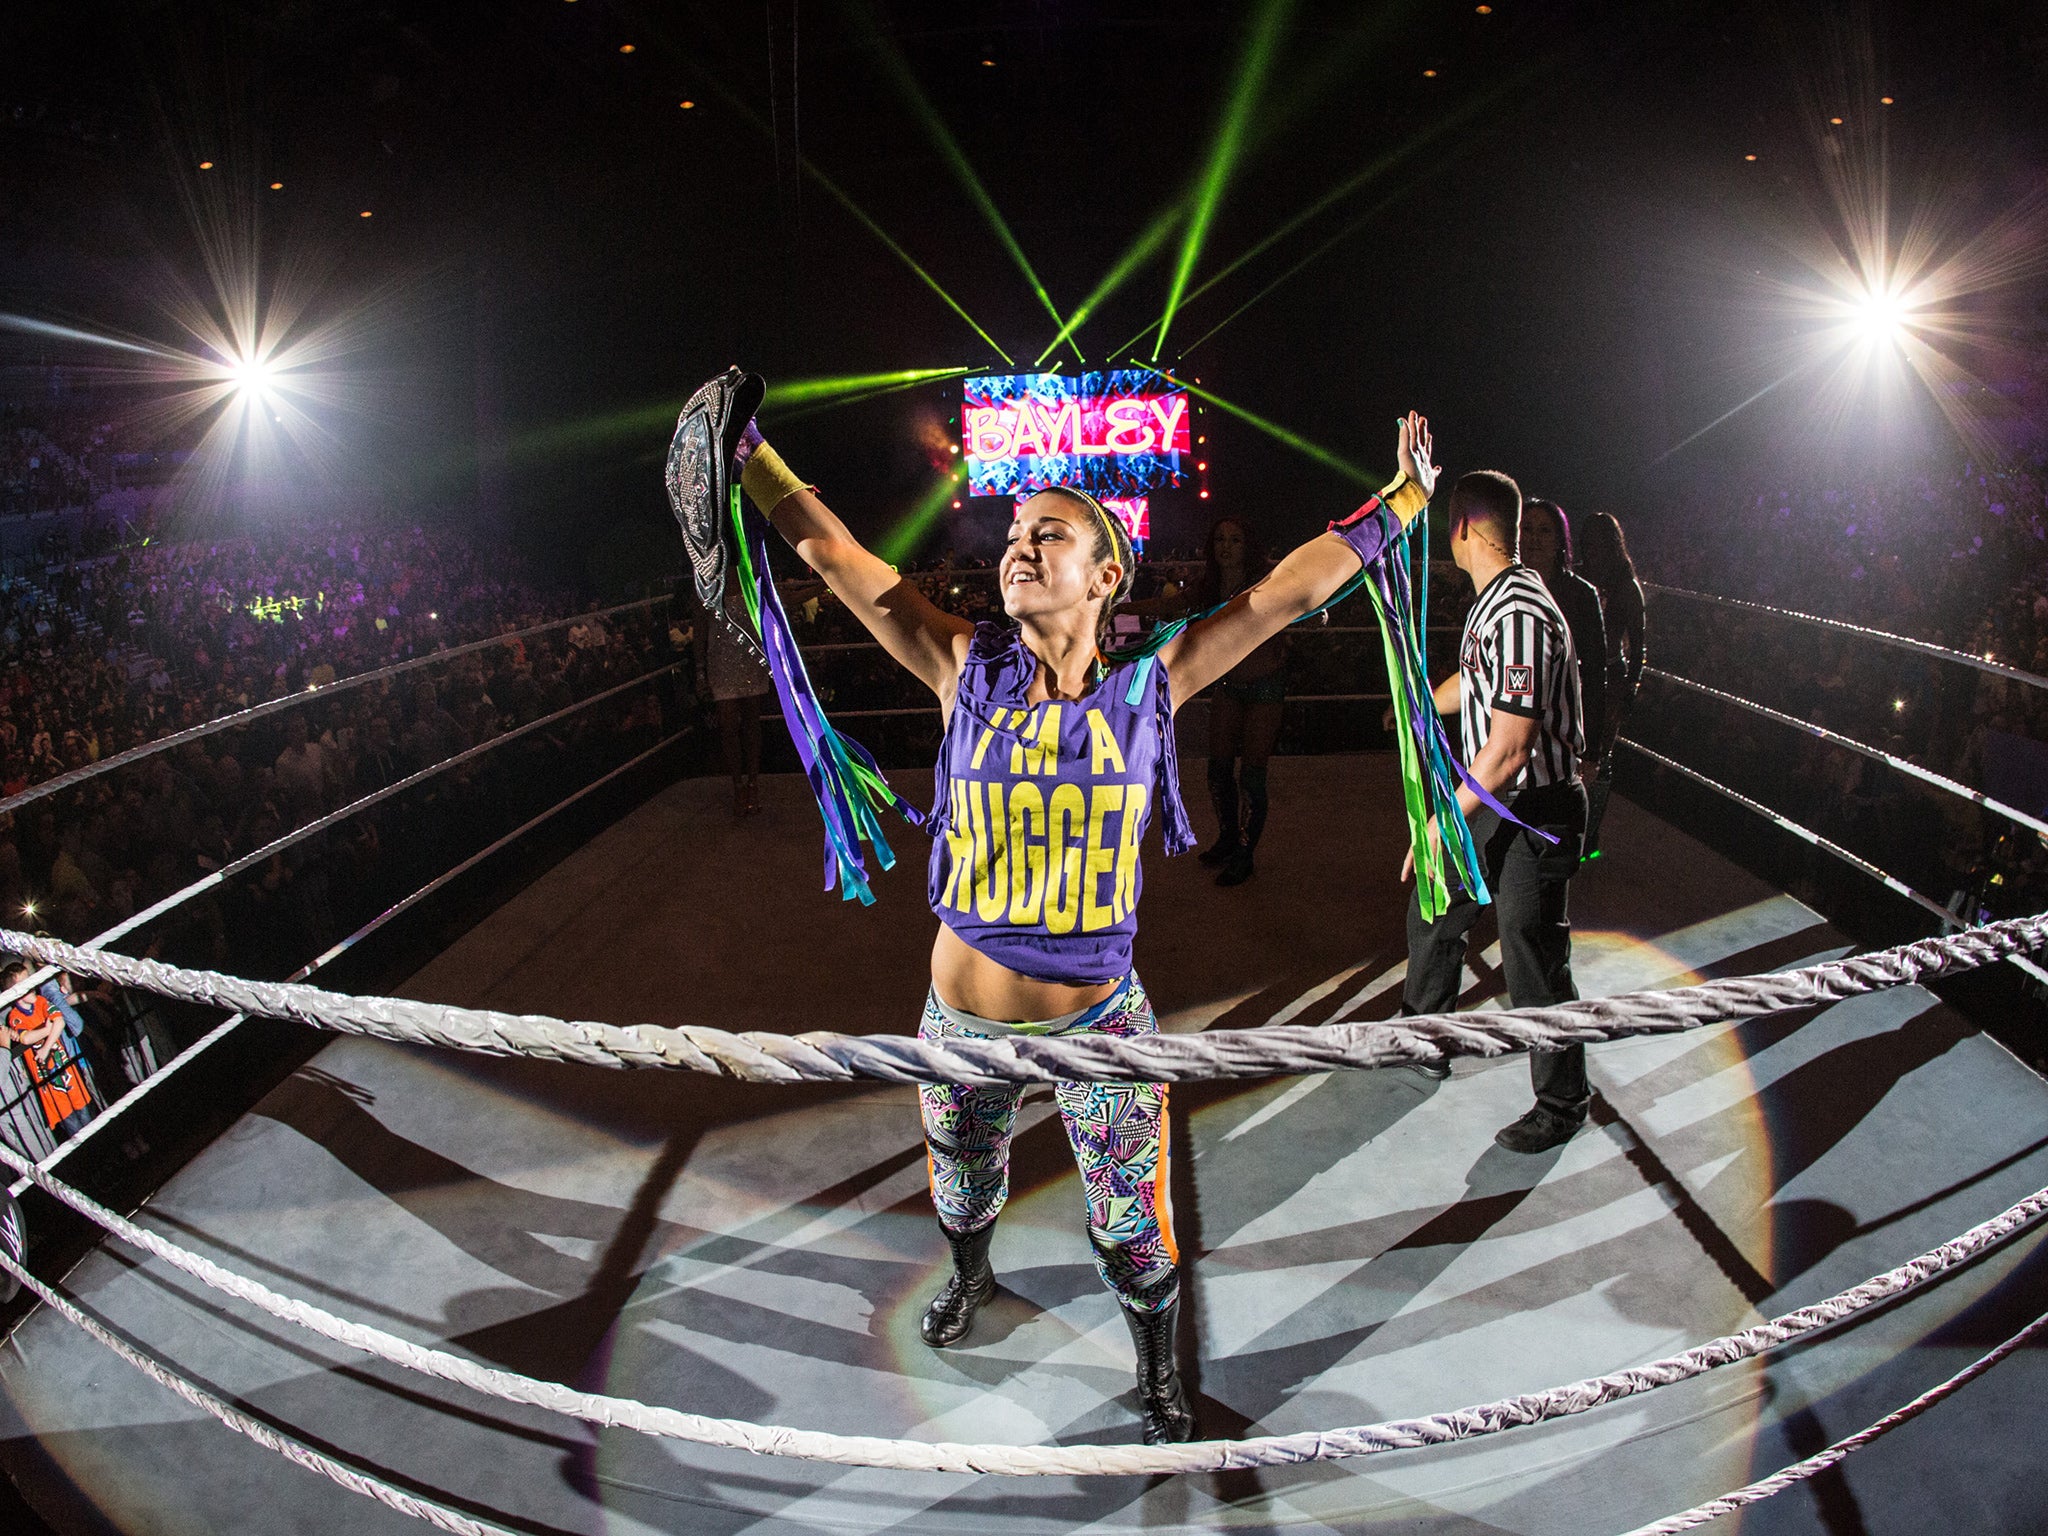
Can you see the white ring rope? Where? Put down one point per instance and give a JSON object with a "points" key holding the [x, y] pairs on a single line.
{"points": [[1807, 834], [1060, 1461], [1820, 1461], [228, 1025], [254, 712], [351, 1478], [1275, 1050], [1862, 632], [1836, 738], [340, 814], [1218, 1054]]}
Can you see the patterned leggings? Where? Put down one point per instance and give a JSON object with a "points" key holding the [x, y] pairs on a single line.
{"points": [[1118, 1133]]}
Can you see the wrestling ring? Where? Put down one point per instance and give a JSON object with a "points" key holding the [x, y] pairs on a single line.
{"points": [[1757, 977]]}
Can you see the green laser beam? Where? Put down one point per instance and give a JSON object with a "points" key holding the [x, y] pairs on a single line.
{"points": [[1331, 63], [899, 71], [1278, 433], [1335, 195], [1140, 251], [855, 399], [808, 391], [1335, 64], [1356, 182], [1350, 229], [1330, 66], [901, 541], [881, 234], [749, 116], [1379, 167], [590, 431], [1225, 149], [812, 394]]}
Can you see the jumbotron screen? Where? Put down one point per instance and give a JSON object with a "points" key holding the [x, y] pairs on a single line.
{"points": [[1117, 433]]}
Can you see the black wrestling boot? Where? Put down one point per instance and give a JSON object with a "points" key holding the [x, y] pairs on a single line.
{"points": [[1223, 795], [1238, 868], [966, 1290], [1161, 1398]]}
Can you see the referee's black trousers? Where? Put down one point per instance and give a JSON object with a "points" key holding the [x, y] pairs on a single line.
{"points": [[1531, 882]]}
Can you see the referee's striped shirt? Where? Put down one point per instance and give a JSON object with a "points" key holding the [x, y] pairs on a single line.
{"points": [[1517, 656]]}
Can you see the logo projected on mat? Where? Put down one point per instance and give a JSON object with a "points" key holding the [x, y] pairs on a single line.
{"points": [[1117, 433]]}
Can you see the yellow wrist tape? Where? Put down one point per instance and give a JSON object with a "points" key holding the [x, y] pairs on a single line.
{"points": [[1404, 499], [767, 480]]}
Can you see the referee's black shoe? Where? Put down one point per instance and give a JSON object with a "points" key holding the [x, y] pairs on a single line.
{"points": [[1539, 1130]]}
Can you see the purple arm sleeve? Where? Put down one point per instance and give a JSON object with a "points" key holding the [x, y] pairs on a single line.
{"points": [[1368, 531], [749, 441]]}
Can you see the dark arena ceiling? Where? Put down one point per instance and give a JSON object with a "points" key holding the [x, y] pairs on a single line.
{"points": [[1543, 223]]}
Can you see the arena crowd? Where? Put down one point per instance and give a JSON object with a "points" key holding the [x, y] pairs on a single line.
{"points": [[110, 649]]}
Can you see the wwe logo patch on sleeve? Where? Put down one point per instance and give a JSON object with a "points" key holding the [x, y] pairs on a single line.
{"points": [[1521, 682]]}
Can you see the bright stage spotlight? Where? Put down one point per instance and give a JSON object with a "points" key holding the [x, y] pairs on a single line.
{"points": [[1881, 314], [249, 373]]}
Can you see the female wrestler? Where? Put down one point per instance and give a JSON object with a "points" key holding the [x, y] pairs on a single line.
{"points": [[1052, 763]]}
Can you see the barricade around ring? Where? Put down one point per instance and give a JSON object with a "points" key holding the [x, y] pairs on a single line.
{"points": [[144, 1048], [1945, 914], [314, 697], [1783, 1479], [57, 1152]]}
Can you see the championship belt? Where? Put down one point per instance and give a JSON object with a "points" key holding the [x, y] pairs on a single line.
{"points": [[705, 496], [13, 1243]]}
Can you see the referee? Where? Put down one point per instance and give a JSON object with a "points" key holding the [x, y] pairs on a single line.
{"points": [[1516, 696]]}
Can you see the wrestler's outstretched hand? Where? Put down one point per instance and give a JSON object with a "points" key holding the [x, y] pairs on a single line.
{"points": [[1413, 454]]}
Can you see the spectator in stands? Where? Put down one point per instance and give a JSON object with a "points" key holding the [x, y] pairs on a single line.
{"points": [[377, 766], [74, 901], [36, 1030], [190, 631], [307, 772], [1919, 550], [436, 734]]}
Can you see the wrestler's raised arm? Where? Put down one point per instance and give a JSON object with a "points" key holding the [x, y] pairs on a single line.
{"points": [[1307, 578], [916, 631]]}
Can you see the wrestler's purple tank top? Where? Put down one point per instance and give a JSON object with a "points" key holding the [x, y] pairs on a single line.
{"points": [[1040, 809]]}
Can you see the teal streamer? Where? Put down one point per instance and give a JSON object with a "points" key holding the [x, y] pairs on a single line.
{"points": [[1435, 775], [844, 777]]}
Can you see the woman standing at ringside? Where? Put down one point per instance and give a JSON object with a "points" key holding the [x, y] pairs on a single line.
{"points": [[1604, 561], [1547, 550], [1244, 709], [1052, 762], [1244, 705]]}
